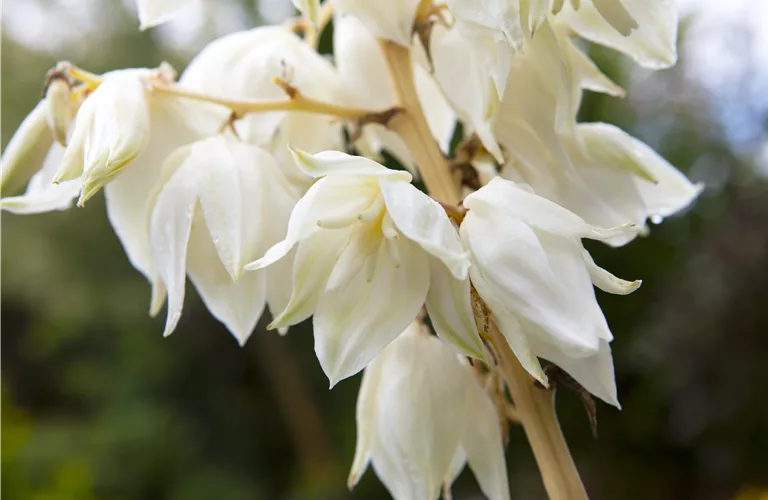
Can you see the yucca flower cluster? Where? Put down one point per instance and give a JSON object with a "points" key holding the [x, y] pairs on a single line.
{"points": [[258, 174]]}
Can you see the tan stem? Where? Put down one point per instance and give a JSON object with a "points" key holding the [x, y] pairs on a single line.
{"points": [[295, 101], [412, 126], [535, 406]]}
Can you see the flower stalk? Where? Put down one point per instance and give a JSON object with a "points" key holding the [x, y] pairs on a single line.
{"points": [[296, 101], [534, 405]]}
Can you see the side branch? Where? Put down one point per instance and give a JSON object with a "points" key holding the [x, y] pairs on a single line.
{"points": [[296, 101]]}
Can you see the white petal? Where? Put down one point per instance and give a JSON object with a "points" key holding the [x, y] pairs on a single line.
{"points": [[127, 195], [336, 162], [440, 116], [237, 304], [329, 198], [154, 12], [315, 258], [450, 309], [310, 9], [26, 150], [588, 74], [537, 211], [606, 281], [365, 417], [169, 230], [469, 86], [421, 416], [483, 444], [352, 324], [520, 273], [594, 373], [41, 195], [652, 45], [392, 20], [423, 220]]}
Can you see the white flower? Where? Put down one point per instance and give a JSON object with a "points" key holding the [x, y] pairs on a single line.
{"points": [[243, 65], [529, 266], [645, 30], [367, 245], [365, 79], [25, 152], [595, 170], [219, 204], [111, 130], [391, 20], [421, 416], [154, 12]]}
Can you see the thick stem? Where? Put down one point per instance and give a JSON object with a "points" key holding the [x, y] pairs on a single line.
{"points": [[412, 126], [535, 406]]}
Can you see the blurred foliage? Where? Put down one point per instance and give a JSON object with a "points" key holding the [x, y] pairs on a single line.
{"points": [[96, 404]]}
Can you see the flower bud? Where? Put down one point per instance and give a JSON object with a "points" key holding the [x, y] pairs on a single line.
{"points": [[111, 129], [58, 99], [25, 152], [422, 415]]}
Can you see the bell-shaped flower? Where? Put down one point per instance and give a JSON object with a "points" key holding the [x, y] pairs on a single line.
{"points": [[595, 170], [361, 64], [218, 205], [24, 154], [645, 30], [368, 243], [421, 416], [529, 266], [242, 65], [111, 130], [392, 20], [154, 12]]}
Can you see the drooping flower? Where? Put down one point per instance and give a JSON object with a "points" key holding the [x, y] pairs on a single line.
{"points": [[243, 65], [368, 243], [111, 130], [595, 170], [218, 205], [421, 416], [529, 266]]}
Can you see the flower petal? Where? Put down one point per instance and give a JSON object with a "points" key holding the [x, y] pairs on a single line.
{"points": [[422, 220], [336, 162], [365, 417], [523, 276], [237, 304], [606, 281], [315, 259], [483, 444], [352, 324], [169, 229], [154, 12], [450, 309], [652, 44], [594, 373], [537, 211], [26, 151], [41, 195]]}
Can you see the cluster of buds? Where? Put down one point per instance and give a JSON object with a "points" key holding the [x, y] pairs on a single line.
{"points": [[258, 174]]}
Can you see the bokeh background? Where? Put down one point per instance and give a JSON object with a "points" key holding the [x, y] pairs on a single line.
{"points": [[96, 404]]}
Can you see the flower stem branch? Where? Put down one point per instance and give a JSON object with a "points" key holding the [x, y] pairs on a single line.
{"points": [[296, 101], [412, 126], [535, 409], [534, 406], [312, 33]]}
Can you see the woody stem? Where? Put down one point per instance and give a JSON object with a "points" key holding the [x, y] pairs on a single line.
{"points": [[535, 406]]}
